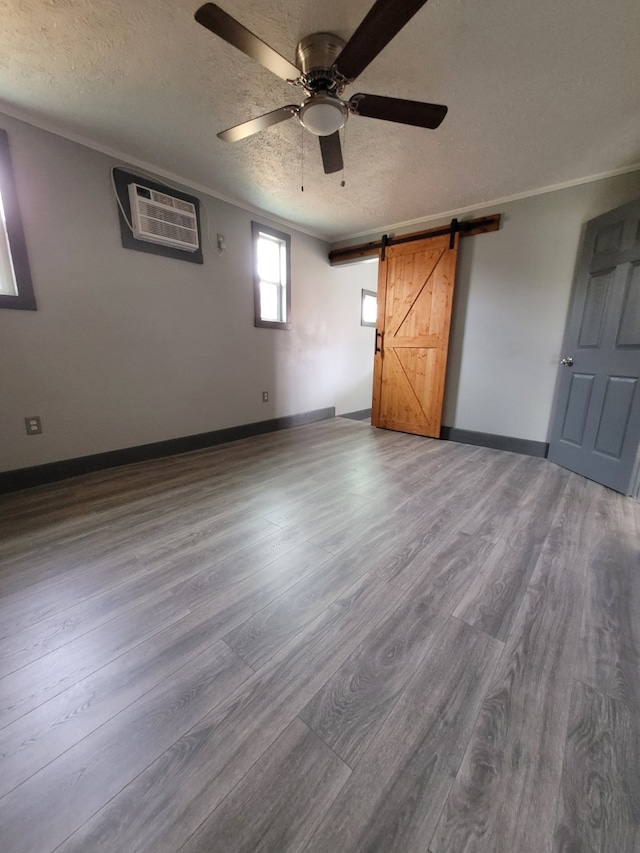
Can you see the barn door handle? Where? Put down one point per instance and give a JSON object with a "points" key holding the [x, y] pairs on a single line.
{"points": [[378, 335], [568, 361]]}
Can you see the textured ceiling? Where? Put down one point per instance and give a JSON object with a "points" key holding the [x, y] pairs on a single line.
{"points": [[539, 94]]}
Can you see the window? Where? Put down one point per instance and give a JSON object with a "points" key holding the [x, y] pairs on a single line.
{"points": [[16, 289], [272, 277], [369, 308]]}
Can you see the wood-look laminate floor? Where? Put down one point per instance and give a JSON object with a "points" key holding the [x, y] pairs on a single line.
{"points": [[328, 639]]}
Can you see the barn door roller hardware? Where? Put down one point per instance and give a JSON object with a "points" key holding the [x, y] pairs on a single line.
{"points": [[467, 228], [453, 230]]}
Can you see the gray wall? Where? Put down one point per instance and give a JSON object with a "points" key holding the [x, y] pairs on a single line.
{"points": [[129, 348], [512, 293]]}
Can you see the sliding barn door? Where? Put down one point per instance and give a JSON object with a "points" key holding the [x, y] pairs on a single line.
{"points": [[415, 295]]}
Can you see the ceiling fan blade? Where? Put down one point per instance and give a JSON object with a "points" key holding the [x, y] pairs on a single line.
{"points": [[219, 22], [398, 109], [331, 153], [383, 22], [255, 125]]}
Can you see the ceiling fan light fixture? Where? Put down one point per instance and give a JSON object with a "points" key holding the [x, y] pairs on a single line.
{"points": [[323, 115]]}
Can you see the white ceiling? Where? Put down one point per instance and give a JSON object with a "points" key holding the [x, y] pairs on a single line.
{"points": [[540, 94]]}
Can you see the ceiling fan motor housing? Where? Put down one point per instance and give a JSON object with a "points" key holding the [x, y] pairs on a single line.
{"points": [[315, 56]]}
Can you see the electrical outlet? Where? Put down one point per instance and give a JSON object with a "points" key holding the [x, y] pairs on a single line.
{"points": [[265, 396], [33, 425]]}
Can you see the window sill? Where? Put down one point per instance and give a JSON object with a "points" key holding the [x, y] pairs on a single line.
{"points": [[271, 324], [23, 302]]}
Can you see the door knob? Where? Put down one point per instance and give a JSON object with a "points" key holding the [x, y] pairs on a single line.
{"points": [[568, 362]]}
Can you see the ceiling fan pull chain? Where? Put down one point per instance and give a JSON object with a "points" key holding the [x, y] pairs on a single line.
{"points": [[344, 154], [301, 158]]}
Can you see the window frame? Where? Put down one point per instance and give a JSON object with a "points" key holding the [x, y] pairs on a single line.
{"points": [[256, 230], [24, 299], [366, 293]]}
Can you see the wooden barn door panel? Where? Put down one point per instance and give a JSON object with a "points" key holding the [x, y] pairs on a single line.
{"points": [[415, 295]]}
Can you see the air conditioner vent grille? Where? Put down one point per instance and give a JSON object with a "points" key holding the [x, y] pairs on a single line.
{"points": [[171, 201], [152, 211], [161, 218], [170, 230]]}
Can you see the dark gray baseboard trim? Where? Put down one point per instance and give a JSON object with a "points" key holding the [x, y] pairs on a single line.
{"points": [[24, 478], [497, 442], [360, 415]]}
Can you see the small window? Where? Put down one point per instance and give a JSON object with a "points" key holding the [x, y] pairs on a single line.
{"points": [[369, 308], [16, 289], [272, 277]]}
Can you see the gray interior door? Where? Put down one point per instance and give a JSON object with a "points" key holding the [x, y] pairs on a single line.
{"points": [[595, 427]]}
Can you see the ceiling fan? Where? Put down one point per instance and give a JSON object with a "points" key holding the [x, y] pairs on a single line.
{"points": [[325, 65]]}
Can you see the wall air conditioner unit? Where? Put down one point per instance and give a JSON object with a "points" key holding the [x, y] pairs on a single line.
{"points": [[160, 218]]}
